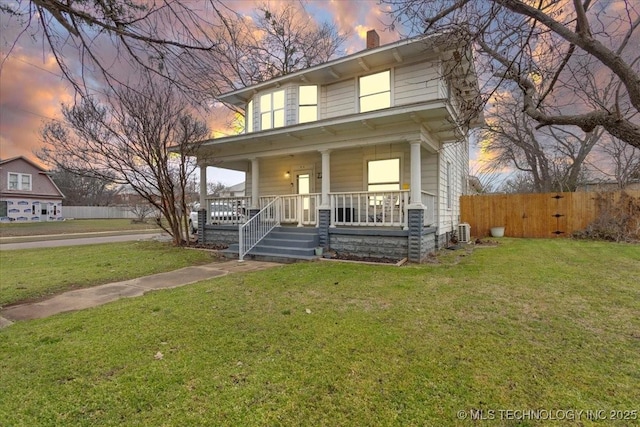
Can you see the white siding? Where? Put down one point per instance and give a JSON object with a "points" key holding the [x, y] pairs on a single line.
{"points": [[347, 170], [339, 99], [415, 83], [457, 155], [272, 173], [348, 167], [429, 172], [291, 105]]}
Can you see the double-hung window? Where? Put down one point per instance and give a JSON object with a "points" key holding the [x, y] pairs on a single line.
{"points": [[272, 110], [375, 91], [19, 181], [307, 103]]}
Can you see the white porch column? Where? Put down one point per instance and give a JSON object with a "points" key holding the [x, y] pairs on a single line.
{"points": [[416, 176], [255, 178], [326, 179], [203, 186]]}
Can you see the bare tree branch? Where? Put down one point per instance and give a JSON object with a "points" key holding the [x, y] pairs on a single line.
{"points": [[540, 46], [142, 139]]}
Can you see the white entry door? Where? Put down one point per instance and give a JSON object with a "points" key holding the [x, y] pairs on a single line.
{"points": [[303, 189]]}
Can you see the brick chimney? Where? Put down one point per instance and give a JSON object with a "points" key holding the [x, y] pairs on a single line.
{"points": [[373, 39]]}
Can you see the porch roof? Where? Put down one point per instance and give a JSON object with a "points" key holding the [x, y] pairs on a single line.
{"points": [[403, 122]]}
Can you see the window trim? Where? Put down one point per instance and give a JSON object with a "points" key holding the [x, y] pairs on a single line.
{"points": [[19, 181]]}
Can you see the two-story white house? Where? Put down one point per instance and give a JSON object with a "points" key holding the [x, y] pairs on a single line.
{"points": [[362, 153]]}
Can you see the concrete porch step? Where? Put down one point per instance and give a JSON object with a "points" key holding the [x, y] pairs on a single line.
{"points": [[291, 243]]}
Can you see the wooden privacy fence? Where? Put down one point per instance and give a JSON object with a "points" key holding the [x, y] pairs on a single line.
{"points": [[532, 215]]}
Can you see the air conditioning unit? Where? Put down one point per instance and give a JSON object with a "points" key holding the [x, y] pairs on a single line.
{"points": [[464, 233]]}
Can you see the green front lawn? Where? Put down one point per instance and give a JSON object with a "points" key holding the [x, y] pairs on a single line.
{"points": [[529, 325], [37, 273]]}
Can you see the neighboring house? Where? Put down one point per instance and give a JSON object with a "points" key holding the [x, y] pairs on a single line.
{"points": [[605, 185], [361, 153], [27, 192], [234, 191]]}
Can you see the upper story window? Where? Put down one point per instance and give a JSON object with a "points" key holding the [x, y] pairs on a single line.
{"points": [[19, 181], [375, 91], [307, 103], [248, 117], [272, 110]]}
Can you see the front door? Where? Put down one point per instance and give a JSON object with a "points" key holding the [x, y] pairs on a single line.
{"points": [[303, 189]]}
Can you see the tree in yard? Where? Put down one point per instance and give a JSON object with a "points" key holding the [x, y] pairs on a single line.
{"points": [[84, 189], [139, 137], [280, 39], [548, 159], [572, 63], [215, 188], [618, 161]]}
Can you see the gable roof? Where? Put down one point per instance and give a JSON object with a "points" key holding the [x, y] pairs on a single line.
{"points": [[13, 159], [41, 171]]}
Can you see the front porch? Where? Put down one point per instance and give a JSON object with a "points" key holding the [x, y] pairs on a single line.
{"points": [[346, 209], [380, 224], [377, 191]]}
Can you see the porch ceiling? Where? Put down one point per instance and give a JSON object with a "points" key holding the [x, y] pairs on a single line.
{"points": [[392, 124]]}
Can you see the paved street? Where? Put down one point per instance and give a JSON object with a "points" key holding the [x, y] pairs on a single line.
{"points": [[73, 240]]}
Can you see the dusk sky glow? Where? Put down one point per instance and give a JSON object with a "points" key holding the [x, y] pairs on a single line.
{"points": [[32, 88]]}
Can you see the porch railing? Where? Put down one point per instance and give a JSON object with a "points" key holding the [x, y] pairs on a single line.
{"points": [[370, 208], [256, 228], [429, 201], [300, 209], [227, 210]]}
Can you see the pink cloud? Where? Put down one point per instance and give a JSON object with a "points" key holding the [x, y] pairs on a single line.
{"points": [[31, 89], [32, 93]]}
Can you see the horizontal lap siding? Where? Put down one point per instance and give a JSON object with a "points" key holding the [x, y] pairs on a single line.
{"points": [[272, 173], [339, 99], [429, 172], [415, 83], [348, 167], [347, 170], [272, 180]]}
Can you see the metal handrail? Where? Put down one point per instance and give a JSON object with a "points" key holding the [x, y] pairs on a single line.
{"points": [[256, 228]]}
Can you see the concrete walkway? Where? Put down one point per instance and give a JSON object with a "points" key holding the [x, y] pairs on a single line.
{"points": [[91, 297]]}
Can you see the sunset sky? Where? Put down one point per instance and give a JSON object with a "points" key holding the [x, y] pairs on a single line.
{"points": [[32, 89]]}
